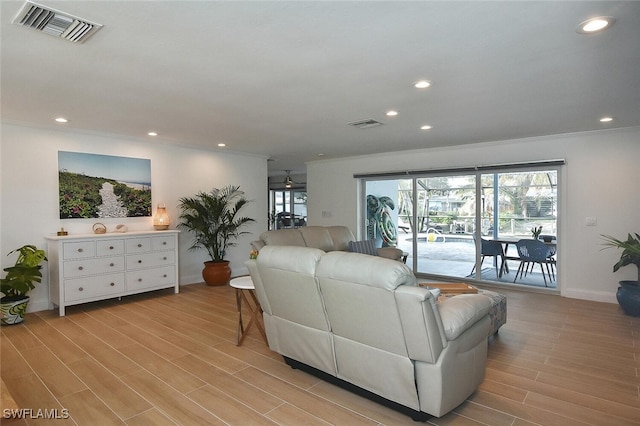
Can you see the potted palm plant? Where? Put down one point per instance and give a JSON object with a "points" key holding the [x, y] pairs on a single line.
{"points": [[214, 220], [628, 293], [19, 280]]}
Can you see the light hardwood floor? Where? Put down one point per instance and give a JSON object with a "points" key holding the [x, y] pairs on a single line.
{"points": [[165, 359]]}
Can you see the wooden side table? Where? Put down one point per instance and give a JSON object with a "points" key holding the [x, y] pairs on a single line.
{"points": [[244, 285]]}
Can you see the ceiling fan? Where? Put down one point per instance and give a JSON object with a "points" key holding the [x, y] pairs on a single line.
{"points": [[288, 183]]}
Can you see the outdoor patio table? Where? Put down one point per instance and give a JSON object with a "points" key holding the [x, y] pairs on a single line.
{"points": [[505, 241]]}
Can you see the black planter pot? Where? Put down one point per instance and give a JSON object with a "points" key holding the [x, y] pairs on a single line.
{"points": [[628, 296]]}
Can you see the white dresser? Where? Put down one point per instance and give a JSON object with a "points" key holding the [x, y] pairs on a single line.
{"points": [[89, 267]]}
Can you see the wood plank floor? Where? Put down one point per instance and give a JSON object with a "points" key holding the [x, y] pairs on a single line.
{"points": [[165, 359]]}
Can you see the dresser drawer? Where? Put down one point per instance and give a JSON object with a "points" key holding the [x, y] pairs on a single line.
{"points": [[109, 247], [90, 267], [163, 243], [79, 250], [96, 266], [150, 260], [148, 278], [91, 287], [138, 245]]}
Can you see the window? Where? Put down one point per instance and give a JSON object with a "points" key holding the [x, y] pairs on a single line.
{"points": [[436, 218], [288, 209]]}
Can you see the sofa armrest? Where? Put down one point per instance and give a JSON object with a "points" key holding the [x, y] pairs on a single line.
{"points": [[257, 245], [252, 266], [390, 252], [421, 324], [460, 312]]}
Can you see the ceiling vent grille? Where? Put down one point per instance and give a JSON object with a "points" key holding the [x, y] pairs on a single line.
{"points": [[365, 124], [55, 23]]}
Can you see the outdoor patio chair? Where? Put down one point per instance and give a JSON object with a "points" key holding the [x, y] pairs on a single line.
{"points": [[552, 251], [492, 249], [532, 252]]}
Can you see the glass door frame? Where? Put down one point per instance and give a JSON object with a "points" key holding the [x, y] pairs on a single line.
{"points": [[478, 172]]}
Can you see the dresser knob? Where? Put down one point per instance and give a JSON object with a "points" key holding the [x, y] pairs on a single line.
{"points": [[164, 258], [80, 268], [79, 250], [164, 276], [81, 289], [110, 247], [139, 245], [112, 284], [139, 280], [139, 261], [111, 264], [164, 243]]}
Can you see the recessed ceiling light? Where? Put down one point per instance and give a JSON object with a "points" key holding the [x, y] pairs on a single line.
{"points": [[606, 119], [392, 113], [422, 84], [62, 120], [594, 25], [425, 127], [152, 134], [222, 145]]}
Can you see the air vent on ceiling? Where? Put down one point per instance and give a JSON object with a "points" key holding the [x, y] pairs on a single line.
{"points": [[365, 124], [55, 23]]}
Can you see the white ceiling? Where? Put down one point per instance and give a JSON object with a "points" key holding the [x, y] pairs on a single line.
{"points": [[283, 79]]}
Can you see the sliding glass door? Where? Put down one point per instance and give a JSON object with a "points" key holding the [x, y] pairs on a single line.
{"points": [[442, 222]]}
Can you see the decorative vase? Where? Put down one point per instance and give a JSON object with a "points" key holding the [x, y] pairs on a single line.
{"points": [[13, 311], [628, 296], [216, 273]]}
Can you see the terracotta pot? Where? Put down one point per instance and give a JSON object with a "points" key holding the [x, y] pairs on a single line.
{"points": [[216, 273]]}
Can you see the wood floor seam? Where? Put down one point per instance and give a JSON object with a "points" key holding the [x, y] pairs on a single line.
{"points": [[171, 359]]}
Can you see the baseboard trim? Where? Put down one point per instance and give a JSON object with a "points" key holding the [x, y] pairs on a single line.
{"points": [[418, 416], [594, 296]]}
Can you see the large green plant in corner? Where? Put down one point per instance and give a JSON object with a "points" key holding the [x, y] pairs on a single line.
{"points": [[628, 294], [630, 251], [19, 280], [215, 222]]}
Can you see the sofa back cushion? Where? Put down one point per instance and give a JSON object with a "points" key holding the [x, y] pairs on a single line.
{"points": [[359, 297], [370, 348], [317, 237], [340, 235], [297, 325], [283, 237], [288, 277], [325, 238]]}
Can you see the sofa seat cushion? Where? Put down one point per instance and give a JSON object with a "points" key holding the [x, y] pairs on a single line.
{"points": [[364, 247], [459, 313]]}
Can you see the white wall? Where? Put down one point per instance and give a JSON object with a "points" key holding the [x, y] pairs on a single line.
{"points": [[29, 191], [601, 178]]}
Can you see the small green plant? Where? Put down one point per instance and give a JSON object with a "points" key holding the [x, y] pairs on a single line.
{"points": [[22, 276], [630, 251], [535, 232]]}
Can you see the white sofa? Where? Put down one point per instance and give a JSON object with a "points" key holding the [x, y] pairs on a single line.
{"points": [[326, 238], [363, 320]]}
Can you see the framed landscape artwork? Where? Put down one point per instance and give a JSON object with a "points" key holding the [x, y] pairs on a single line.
{"points": [[100, 186]]}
